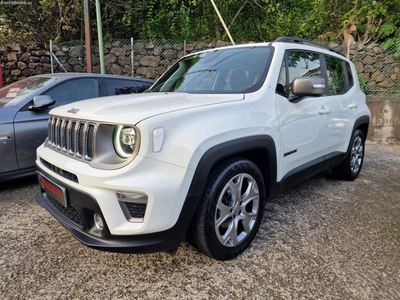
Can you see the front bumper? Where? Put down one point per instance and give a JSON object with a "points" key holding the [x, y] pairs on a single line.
{"points": [[78, 219]]}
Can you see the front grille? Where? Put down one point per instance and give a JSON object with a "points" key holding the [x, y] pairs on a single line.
{"points": [[81, 132], [70, 212], [90, 141], [59, 171], [74, 137]]}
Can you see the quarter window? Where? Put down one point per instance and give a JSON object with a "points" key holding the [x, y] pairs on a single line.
{"points": [[142, 86], [120, 87], [349, 75], [336, 77], [281, 86]]}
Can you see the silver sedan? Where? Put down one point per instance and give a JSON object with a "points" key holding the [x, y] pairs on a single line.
{"points": [[25, 104]]}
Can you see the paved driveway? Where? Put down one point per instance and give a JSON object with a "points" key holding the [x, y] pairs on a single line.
{"points": [[323, 239]]}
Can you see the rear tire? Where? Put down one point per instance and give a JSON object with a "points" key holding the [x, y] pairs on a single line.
{"points": [[352, 164], [230, 211]]}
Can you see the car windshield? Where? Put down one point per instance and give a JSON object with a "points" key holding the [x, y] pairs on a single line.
{"points": [[15, 92], [230, 70]]}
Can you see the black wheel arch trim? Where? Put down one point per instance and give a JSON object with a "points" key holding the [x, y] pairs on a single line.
{"points": [[208, 163], [363, 120], [221, 152]]}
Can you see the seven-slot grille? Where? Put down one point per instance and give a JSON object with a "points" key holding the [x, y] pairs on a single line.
{"points": [[70, 136]]}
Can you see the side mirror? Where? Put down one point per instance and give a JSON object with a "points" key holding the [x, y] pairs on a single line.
{"points": [[308, 86], [42, 101]]}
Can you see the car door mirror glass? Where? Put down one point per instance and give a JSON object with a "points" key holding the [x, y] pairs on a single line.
{"points": [[42, 101]]}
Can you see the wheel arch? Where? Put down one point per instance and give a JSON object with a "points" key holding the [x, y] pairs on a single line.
{"points": [[362, 123], [251, 148], [259, 149]]}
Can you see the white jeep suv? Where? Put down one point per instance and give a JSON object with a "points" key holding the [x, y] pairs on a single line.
{"points": [[221, 132]]}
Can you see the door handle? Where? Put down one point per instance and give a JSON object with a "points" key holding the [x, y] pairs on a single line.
{"points": [[4, 138], [324, 110], [353, 105]]}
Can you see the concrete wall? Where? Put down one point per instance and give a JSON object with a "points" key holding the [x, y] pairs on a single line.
{"points": [[385, 120]]}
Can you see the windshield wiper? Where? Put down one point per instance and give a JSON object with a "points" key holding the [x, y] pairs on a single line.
{"points": [[201, 71]]}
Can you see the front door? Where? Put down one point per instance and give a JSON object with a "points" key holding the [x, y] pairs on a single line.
{"points": [[305, 124]]}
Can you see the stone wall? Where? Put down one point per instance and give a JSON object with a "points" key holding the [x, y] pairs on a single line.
{"points": [[150, 60], [18, 62], [379, 69]]}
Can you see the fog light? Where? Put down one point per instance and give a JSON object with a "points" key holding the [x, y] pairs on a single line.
{"points": [[98, 221]]}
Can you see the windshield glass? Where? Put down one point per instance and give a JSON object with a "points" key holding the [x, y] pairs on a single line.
{"points": [[230, 70], [15, 92]]}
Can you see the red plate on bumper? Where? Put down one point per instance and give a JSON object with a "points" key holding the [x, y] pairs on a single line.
{"points": [[54, 190]]}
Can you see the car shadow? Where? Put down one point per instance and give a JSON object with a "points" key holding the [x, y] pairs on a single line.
{"points": [[18, 183]]}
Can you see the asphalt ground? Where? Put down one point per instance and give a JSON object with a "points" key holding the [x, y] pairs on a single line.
{"points": [[322, 239]]}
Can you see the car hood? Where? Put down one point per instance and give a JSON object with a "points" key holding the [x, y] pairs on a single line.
{"points": [[135, 108]]}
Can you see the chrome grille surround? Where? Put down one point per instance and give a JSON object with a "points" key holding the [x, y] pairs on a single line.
{"points": [[73, 137]]}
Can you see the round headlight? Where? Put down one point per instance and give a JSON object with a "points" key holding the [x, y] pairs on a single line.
{"points": [[124, 140]]}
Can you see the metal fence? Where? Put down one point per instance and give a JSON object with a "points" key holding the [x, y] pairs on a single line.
{"points": [[378, 69], [118, 56]]}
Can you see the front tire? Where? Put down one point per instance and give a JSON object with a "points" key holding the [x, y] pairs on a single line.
{"points": [[352, 164], [230, 211]]}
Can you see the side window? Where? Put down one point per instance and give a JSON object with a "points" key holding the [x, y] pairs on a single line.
{"points": [[281, 85], [302, 64], [336, 79], [349, 75], [74, 90], [120, 86]]}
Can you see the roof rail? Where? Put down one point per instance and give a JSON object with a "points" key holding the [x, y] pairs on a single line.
{"points": [[288, 39]]}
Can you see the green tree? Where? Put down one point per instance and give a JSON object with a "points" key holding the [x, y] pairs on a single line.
{"points": [[196, 20], [122, 18], [389, 32], [40, 21]]}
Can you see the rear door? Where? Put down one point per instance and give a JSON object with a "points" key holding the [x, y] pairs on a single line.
{"points": [[8, 160], [341, 95]]}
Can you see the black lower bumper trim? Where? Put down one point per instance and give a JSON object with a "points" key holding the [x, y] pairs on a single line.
{"points": [[146, 243]]}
